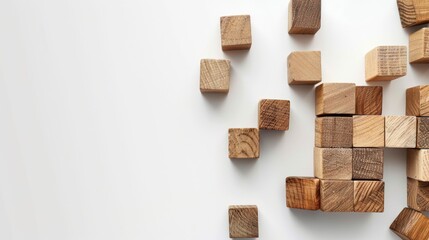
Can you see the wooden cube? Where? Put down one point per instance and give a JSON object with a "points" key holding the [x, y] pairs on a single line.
{"points": [[400, 131], [243, 221], [334, 132], [236, 32], [368, 196], [413, 12], [368, 163], [243, 143], [369, 100], [303, 193], [304, 16], [418, 164], [422, 132], [368, 131], [304, 68], [419, 46], [214, 75], [335, 98], [336, 195], [417, 101], [411, 224], [333, 163], [274, 114], [418, 194], [386, 63]]}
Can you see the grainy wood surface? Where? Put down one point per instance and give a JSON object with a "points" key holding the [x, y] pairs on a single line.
{"points": [[418, 164], [336, 195], [419, 46], [236, 32], [422, 132], [304, 68], [368, 196], [243, 142], [304, 16], [243, 221], [369, 100], [334, 132], [385, 63], [303, 193], [214, 75], [368, 163], [274, 114], [417, 101], [413, 12], [368, 131], [411, 225], [418, 194], [333, 163], [400, 131], [335, 98]]}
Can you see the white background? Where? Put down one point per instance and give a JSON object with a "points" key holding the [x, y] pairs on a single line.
{"points": [[104, 133]]}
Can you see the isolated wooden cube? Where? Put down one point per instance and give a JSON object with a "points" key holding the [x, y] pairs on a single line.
{"points": [[422, 132], [417, 101], [368, 131], [214, 75], [304, 16], [335, 98], [368, 196], [274, 114], [334, 132], [411, 224], [368, 163], [243, 142], [243, 221], [336, 195], [418, 164], [418, 194], [413, 12], [386, 63], [419, 46], [400, 131], [369, 100], [303, 193], [333, 163], [236, 32], [304, 68]]}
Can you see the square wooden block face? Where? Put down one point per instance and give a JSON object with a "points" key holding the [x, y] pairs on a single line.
{"points": [[369, 196], [368, 131], [333, 163], [303, 193], [386, 63], [304, 16], [243, 143], [274, 114], [236, 32], [417, 101], [413, 12], [336, 195], [422, 132], [368, 163], [334, 132], [400, 131], [369, 100], [419, 46], [418, 164], [418, 195], [411, 224], [335, 98], [243, 221], [304, 68], [214, 76]]}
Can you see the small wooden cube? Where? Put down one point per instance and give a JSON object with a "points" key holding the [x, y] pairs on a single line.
{"points": [[368, 163], [304, 16], [243, 142], [333, 163], [369, 100], [422, 132], [274, 114], [214, 75], [413, 12], [419, 46], [236, 32], [304, 68], [418, 164], [335, 98], [400, 131], [417, 101], [303, 193], [336, 195], [243, 221], [368, 131], [418, 194], [369, 196], [334, 132], [411, 224], [386, 63]]}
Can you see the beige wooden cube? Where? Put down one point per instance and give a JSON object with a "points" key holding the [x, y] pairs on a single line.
{"points": [[335, 98], [386, 63], [400, 131], [304, 68], [214, 75], [236, 32], [419, 46], [368, 131]]}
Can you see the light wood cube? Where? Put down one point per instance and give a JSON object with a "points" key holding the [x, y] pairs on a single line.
{"points": [[400, 131], [303, 193], [419, 46], [236, 32], [334, 132], [418, 194], [368, 131], [333, 163], [274, 114], [335, 98], [411, 224], [243, 221], [422, 132], [304, 68], [369, 100], [243, 142], [418, 164], [368, 163], [368, 196], [336, 195], [413, 12], [214, 76], [304, 16], [417, 101], [386, 63]]}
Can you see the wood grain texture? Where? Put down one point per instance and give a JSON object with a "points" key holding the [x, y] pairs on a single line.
{"points": [[369, 100], [418, 194], [336, 196], [422, 132], [333, 163], [243, 142], [335, 98], [304, 68], [417, 101], [304, 16], [243, 221], [368, 131], [303, 193], [418, 164], [334, 132], [368, 163], [368, 196], [274, 114], [386, 63], [411, 225], [236, 32], [419, 46], [214, 75], [413, 12], [400, 131]]}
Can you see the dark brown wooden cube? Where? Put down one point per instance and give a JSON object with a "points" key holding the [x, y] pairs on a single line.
{"points": [[369, 196], [336, 195], [332, 132], [243, 221], [368, 163], [418, 194], [369, 100], [303, 193], [274, 114]]}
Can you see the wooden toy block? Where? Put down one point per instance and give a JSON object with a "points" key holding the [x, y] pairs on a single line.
{"points": [[334, 132], [419, 46], [418, 164], [400, 131], [304, 16], [417, 101], [274, 114], [243, 143], [214, 75], [368, 131], [411, 225], [422, 132], [304, 68], [333, 163], [369, 100], [303, 193], [386, 63], [236, 32], [368, 163], [336, 195], [413, 12], [243, 221], [368, 196], [418, 194], [335, 98]]}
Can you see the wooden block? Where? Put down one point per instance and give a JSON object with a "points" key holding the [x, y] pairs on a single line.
{"points": [[335, 98], [419, 46], [418, 194], [369, 100], [303, 193], [418, 164], [368, 131], [369, 196], [304, 68], [243, 143], [214, 76], [400, 131], [368, 163], [334, 132], [336, 195], [422, 132], [243, 221], [304, 16], [386, 63], [274, 114], [236, 32], [333, 163], [413, 12], [417, 101], [411, 225]]}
